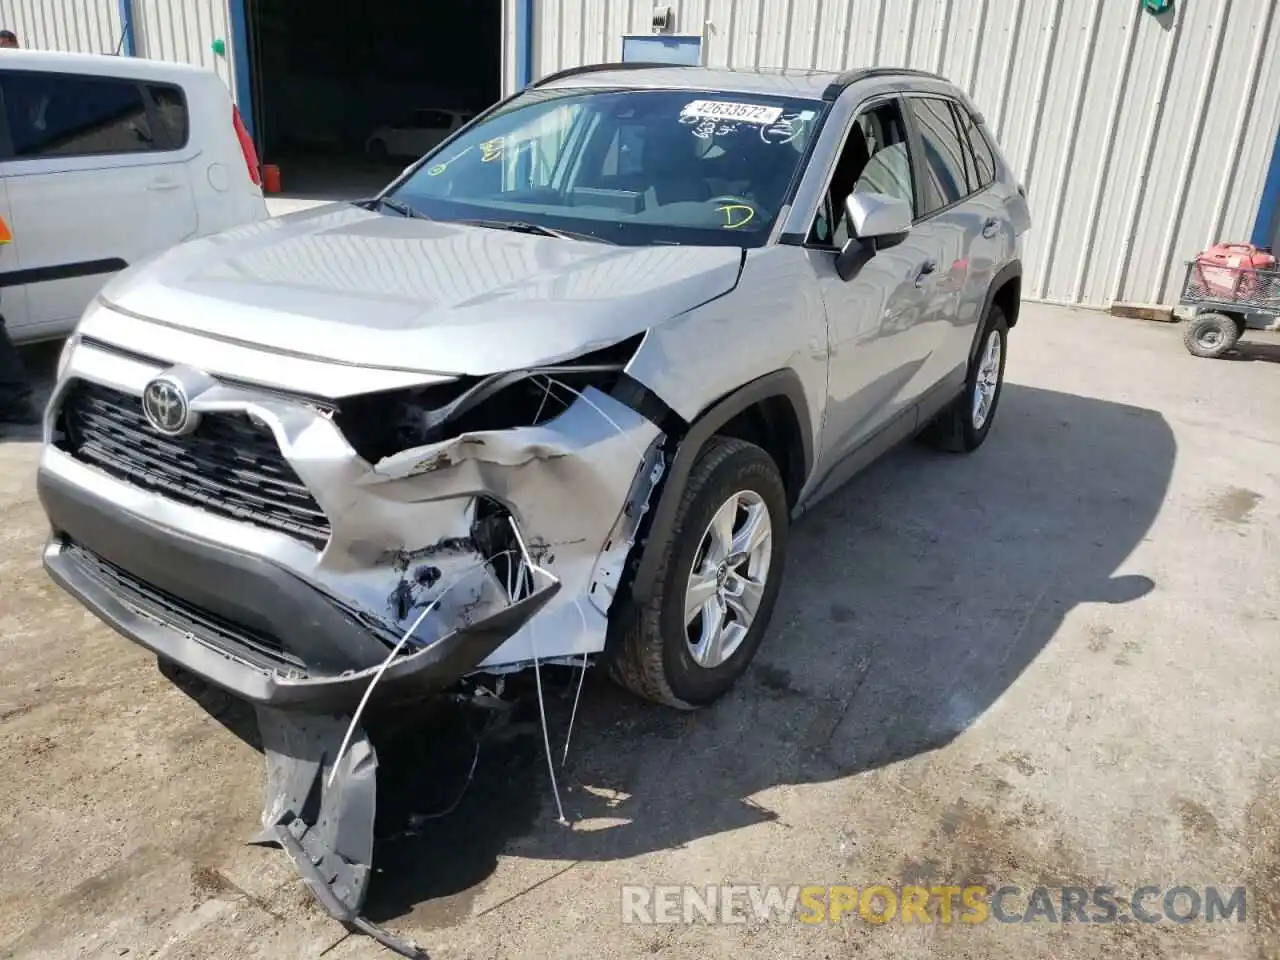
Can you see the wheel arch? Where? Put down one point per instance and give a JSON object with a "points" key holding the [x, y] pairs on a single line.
{"points": [[775, 400], [1004, 291]]}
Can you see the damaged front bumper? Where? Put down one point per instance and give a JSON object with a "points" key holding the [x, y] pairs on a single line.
{"points": [[262, 553], [265, 554], [138, 596]]}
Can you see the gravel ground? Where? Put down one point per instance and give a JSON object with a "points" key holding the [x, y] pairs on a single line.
{"points": [[1049, 663]]}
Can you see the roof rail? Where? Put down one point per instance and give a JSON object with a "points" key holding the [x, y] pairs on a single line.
{"points": [[850, 77], [599, 67]]}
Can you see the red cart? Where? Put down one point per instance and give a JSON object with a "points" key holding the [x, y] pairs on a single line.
{"points": [[1228, 284]]}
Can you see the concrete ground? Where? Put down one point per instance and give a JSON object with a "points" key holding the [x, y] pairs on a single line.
{"points": [[1053, 662]]}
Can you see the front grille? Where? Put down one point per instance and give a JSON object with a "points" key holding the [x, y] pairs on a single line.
{"points": [[260, 649], [229, 465]]}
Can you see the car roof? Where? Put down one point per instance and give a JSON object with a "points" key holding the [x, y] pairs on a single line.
{"points": [[813, 84], [100, 64]]}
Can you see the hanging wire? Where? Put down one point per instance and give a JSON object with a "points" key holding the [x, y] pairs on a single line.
{"points": [[537, 674]]}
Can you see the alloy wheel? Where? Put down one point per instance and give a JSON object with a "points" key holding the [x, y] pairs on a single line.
{"points": [[988, 380], [727, 582]]}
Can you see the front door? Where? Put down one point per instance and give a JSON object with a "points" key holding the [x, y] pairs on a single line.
{"points": [[882, 323]]}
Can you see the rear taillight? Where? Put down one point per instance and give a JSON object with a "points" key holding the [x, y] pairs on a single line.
{"points": [[246, 146]]}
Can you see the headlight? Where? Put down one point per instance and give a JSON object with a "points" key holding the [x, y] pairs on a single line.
{"points": [[383, 424]]}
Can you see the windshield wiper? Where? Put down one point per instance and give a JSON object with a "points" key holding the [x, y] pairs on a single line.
{"points": [[521, 226], [399, 206]]}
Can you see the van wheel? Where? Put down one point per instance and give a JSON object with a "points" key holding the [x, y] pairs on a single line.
{"points": [[716, 587], [378, 150], [963, 426]]}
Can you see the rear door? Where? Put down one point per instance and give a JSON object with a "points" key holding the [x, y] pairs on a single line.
{"points": [[994, 246], [94, 184], [955, 217]]}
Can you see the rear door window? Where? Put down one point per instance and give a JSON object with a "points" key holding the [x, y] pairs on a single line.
{"points": [[61, 115], [984, 161], [946, 154]]}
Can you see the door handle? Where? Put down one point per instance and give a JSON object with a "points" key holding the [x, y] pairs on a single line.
{"points": [[160, 186], [990, 228], [926, 268]]}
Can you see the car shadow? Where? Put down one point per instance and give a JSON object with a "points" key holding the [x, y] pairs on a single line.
{"points": [[914, 597], [41, 363]]}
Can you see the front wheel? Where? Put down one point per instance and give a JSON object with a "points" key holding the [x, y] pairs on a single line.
{"points": [[716, 587], [964, 425]]}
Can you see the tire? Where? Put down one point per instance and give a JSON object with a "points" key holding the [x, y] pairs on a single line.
{"points": [[650, 648], [378, 150], [957, 429], [1211, 335]]}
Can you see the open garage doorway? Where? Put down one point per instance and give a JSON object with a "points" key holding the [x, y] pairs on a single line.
{"points": [[347, 93]]}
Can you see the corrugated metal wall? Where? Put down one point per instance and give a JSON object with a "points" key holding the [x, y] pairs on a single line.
{"points": [[78, 26], [509, 80], [179, 30], [1141, 139], [184, 30]]}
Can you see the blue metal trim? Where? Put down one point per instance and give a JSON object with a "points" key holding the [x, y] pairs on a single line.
{"points": [[524, 43], [130, 42], [240, 61], [1264, 227]]}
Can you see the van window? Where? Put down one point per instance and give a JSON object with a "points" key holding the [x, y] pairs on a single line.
{"points": [[171, 114], [59, 115]]}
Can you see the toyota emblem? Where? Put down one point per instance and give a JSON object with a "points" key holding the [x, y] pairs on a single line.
{"points": [[167, 409]]}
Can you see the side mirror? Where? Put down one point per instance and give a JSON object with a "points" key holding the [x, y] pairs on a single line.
{"points": [[877, 221], [875, 216]]}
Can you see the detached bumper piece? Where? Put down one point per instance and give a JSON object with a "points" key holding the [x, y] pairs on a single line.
{"points": [[239, 622], [326, 831]]}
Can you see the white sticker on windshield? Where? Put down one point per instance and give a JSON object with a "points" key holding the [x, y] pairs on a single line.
{"points": [[728, 110], [786, 128]]}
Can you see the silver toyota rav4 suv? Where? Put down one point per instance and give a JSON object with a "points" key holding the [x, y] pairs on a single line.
{"points": [[557, 392], [555, 395]]}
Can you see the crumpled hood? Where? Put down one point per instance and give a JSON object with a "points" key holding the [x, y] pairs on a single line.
{"points": [[342, 283]]}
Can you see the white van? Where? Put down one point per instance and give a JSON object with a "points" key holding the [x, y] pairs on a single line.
{"points": [[105, 161]]}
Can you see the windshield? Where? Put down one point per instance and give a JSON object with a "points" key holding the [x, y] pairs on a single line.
{"points": [[631, 167]]}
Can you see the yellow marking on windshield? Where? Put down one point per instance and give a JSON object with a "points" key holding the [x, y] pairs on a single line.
{"points": [[491, 150], [734, 215], [441, 167]]}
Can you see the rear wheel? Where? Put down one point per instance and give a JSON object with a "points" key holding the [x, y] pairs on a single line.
{"points": [[964, 425], [716, 587], [378, 150], [1210, 335]]}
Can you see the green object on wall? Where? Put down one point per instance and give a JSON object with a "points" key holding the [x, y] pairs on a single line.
{"points": [[1157, 6], [219, 47]]}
